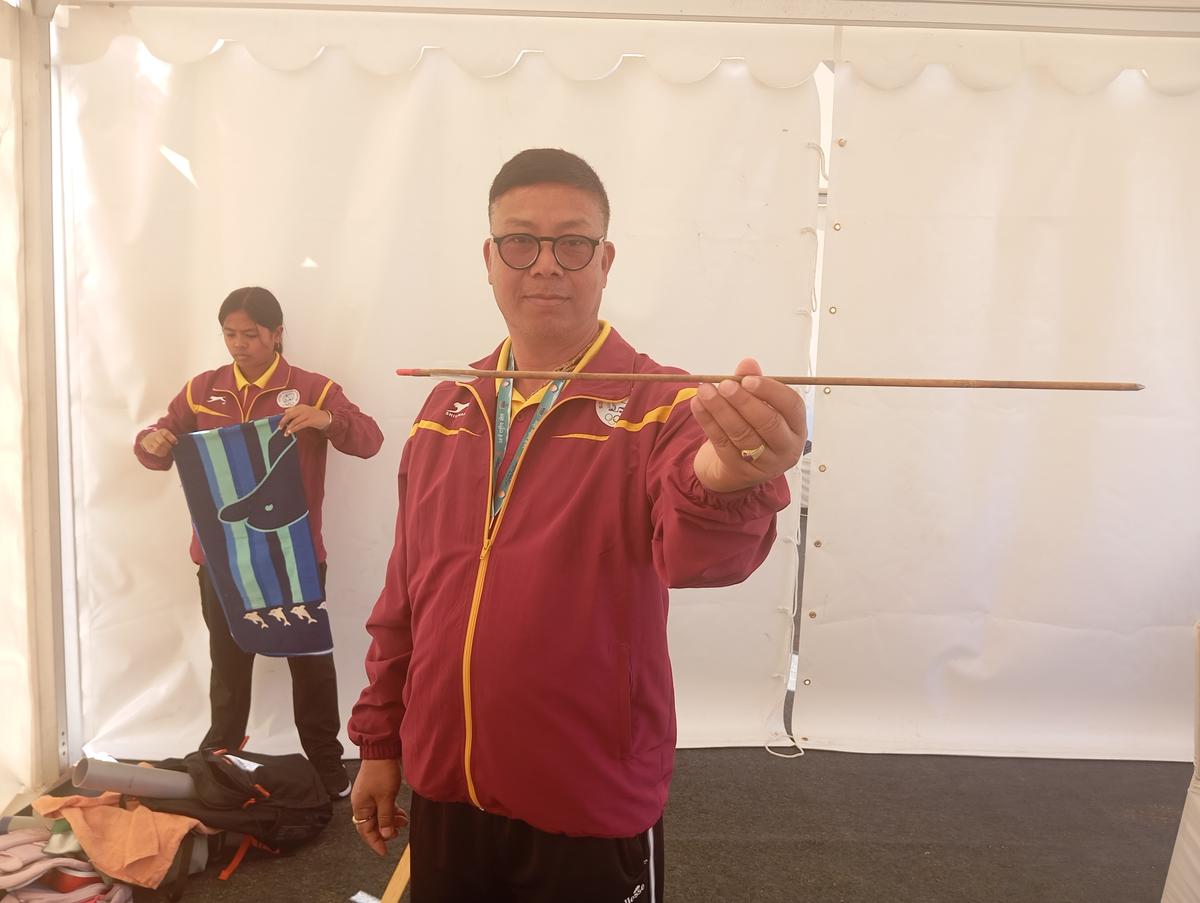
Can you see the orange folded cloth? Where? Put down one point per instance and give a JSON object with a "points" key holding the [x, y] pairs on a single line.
{"points": [[136, 846]]}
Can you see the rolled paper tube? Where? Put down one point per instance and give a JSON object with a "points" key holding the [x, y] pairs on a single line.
{"points": [[135, 780]]}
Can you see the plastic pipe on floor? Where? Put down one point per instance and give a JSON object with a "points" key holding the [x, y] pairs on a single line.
{"points": [[135, 780]]}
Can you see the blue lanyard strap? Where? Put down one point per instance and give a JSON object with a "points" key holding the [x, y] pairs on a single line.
{"points": [[503, 424]]}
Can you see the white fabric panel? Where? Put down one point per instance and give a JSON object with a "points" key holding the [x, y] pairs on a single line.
{"points": [[360, 200], [1183, 876], [16, 724], [893, 57], [777, 55], [389, 43], [1007, 573], [714, 643]]}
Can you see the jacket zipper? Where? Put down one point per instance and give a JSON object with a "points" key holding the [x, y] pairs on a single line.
{"points": [[491, 526], [473, 617]]}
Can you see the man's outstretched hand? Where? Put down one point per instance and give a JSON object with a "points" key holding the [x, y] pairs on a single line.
{"points": [[761, 417]]}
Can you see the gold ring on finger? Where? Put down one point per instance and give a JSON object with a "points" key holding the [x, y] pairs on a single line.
{"points": [[362, 821], [753, 454]]}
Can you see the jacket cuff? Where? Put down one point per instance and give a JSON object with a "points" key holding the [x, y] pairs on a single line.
{"points": [[763, 499], [337, 425], [379, 749], [149, 461]]}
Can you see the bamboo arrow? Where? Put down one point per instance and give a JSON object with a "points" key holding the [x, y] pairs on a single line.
{"points": [[687, 378]]}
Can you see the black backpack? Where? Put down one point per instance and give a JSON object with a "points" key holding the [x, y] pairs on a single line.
{"points": [[278, 802]]}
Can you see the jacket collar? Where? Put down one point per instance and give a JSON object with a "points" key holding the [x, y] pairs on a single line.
{"points": [[277, 376], [609, 354]]}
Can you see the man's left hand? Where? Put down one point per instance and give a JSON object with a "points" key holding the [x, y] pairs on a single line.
{"points": [[304, 416], [761, 417]]}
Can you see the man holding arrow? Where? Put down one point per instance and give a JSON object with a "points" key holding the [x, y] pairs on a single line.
{"points": [[519, 668]]}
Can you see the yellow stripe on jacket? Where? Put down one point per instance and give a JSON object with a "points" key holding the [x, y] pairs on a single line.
{"points": [[437, 428], [656, 415]]}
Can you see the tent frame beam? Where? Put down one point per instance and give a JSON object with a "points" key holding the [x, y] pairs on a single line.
{"points": [[1147, 18], [42, 546]]}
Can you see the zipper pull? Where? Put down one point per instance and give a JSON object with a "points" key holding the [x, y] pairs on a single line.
{"points": [[487, 547]]}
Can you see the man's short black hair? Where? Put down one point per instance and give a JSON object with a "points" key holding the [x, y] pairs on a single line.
{"points": [[538, 165]]}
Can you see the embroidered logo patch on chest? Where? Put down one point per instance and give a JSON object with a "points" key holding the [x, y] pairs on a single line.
{"points": [[288, 398], [610, 412]]}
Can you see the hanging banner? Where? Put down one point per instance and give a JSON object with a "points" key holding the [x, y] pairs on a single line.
{"points": [[244, 492]]}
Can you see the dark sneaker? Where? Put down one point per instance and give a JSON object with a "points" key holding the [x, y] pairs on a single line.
{"points": [[335, 779]]}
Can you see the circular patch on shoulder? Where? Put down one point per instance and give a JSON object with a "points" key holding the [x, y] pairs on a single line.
{"points": [[288, 398]]}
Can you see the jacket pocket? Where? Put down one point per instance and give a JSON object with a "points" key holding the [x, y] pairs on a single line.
{"points": [[624, 693]]}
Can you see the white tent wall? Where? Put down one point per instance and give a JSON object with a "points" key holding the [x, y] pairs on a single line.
{"points": [[975, 659], [360, 198], [1006, 573]]}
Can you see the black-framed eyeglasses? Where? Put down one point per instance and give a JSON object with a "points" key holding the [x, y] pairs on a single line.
{"points": [[520, 250]]}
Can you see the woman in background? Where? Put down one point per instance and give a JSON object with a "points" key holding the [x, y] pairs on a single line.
{"points": [[260, 383]]}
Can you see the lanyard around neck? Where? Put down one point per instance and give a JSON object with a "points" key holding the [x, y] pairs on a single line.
{"points": [[503, 426]]}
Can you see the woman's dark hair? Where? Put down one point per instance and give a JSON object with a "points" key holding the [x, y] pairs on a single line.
{"points": [[260, 306], [548, 164]]}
